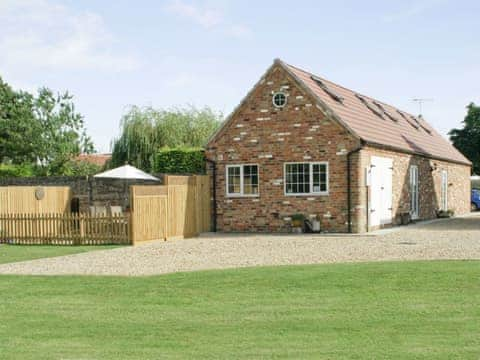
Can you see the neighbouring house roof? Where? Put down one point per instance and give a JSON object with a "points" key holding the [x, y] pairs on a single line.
{"points": [[96, 159], [375, 122]]}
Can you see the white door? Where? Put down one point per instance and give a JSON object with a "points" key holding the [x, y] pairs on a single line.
{"points": [[414, 192], [381, 191]]}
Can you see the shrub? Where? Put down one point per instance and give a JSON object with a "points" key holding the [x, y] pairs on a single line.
{"points": [[180, 161], [26, 170], [298, 220]]}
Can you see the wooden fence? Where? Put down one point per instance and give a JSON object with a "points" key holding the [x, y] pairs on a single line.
{"points": [[179, 209], [64, 229], [34, 199]]}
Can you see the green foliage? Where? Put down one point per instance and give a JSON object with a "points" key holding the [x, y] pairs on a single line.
{"points": [[18, 128], [145, 131], [298, 217], [77, 168], [63, 134], [180, 161], [467, 139], [44, 129], [24, 170]]}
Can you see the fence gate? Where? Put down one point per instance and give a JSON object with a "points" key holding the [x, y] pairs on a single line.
{"points": [[179, 209], [148, 212]]}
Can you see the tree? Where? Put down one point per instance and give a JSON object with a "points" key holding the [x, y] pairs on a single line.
{"points": [[144, 131], [467, 139], [18, 128], [63, 133], [42, 130]]}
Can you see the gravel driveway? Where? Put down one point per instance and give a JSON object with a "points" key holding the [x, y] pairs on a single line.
{"points": [[457, 238]]}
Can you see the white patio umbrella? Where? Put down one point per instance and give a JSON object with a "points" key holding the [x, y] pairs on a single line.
{"points": [[126, 172]]}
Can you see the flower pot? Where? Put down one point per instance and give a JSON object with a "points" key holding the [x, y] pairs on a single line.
{"points": [[297, 223]]}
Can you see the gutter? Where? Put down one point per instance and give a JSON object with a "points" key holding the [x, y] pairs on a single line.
{"points": [[214, 192], [349, 185], [417, 153]]}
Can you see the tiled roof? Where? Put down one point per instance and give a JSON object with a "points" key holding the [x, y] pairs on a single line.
{"points": [[96, 159], [378, 123]]}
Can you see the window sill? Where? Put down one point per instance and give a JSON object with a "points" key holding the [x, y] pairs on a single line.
{"points": [[308, 194], [241, 196]]}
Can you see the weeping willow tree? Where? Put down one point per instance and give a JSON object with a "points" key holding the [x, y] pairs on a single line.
{"points": [[144, 131]]}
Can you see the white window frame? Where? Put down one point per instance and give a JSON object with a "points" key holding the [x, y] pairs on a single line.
{"points": [[279, 93], [311, 163], [241, 194], [414, 202], [444, 190]]}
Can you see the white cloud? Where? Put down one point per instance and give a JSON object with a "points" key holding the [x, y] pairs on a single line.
{"points": [[41, 34], [416, 8], [207, 17]]}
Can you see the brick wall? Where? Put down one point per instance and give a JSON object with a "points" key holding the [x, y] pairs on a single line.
{"points": [[261, 134]]}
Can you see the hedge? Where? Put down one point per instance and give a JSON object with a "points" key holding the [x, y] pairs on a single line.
{"points": [[180, 161], [7, 170]]}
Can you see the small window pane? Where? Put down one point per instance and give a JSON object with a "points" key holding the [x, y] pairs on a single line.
{"points": [[319, 178], [234, 180], [250, 179]]}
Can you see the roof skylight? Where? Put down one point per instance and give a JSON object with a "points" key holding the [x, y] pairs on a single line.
{"points": [[407, 120], [383, 110], [426, 129], [325, 88]]}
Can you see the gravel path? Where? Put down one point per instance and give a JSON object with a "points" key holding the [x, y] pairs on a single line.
{"points": [[446, 239]]}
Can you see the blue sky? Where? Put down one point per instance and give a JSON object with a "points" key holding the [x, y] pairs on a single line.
{"points": [[112, 54]]}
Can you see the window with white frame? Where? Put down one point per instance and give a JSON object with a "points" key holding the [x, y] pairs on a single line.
{"points": [[444, 189], [279, 99], [242, 180], [308, 178]]}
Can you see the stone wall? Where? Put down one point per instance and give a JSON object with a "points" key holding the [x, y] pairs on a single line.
{"points": [[89, 190], [429, 185]]}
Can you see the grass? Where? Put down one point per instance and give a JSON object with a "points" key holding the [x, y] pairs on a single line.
{"points": [[422, 310], [14, 253]]}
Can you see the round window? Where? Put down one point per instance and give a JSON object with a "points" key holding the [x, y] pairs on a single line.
{"points": [[279, 99]]}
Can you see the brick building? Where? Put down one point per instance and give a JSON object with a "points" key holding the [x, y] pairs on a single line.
{"points": [[301, 144]]}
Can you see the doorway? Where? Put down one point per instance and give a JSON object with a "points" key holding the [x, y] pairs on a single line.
{"points": [[381, 191]]}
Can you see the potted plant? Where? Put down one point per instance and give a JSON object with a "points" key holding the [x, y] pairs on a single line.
{"points": [[405, 218], [297, 222]]}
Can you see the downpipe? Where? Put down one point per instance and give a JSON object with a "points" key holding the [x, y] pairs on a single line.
{"points": [[349, 187], [214, 192]]}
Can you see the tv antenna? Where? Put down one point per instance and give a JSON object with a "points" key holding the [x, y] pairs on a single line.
{"points": [[420, 102]]}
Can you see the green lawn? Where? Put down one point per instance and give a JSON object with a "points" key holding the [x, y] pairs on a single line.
{"points": [[13, 253], [359, 311]]}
